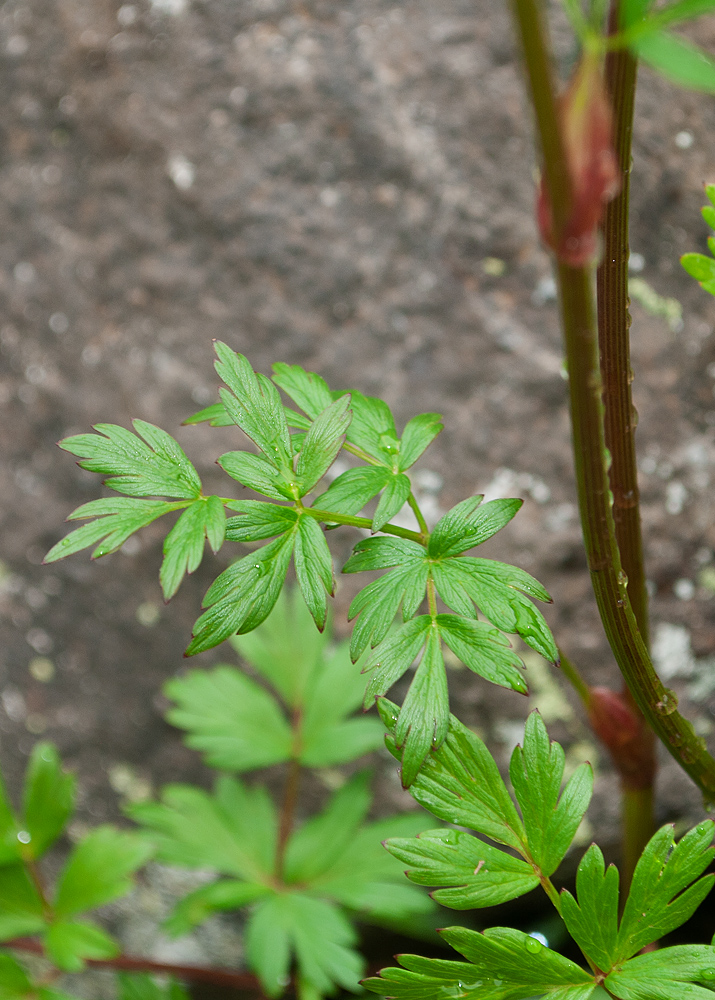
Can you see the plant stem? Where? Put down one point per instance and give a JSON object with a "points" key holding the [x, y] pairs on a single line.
{"points": [[129, 963], [418, 514], [290, 798], [574, 677], [590, 457], [364, 522], [619, 424]]}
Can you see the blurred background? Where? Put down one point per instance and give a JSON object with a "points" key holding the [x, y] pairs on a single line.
{"points": [[347, 186]]}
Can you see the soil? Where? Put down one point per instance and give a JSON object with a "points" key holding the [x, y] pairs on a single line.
{"points": [[348, 187]]}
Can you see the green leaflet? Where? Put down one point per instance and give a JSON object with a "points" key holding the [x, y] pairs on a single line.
{"points": [[21, 910], [593, 921], [148, 463], [15, 984], [460, 783], [418, 434], [243, 595], [313, 568], [226, 894], [236, 723], [503, 964], [697, 265], [678, 60], [424, 716], [322, 444], [484, 650], [665, 974], [468, 524], [233, 831], [352, 489], [634, 11], [137, 986], [252, 401], [307, 389], [658, 900], [536, 772], [481, 875], [393, 499], [257, 473], [184, 545], [68, 944], [116, 519], [99, 870], [48, 799], [258, 520]]}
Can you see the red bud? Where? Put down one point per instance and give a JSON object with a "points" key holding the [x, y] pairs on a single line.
{"points": [[625, 734], [585, 117]]}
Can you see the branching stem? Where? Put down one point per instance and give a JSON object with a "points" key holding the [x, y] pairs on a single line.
{"points": [[329, 517]]}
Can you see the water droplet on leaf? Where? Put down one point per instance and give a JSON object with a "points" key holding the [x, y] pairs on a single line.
{"points": [[667, 704]]}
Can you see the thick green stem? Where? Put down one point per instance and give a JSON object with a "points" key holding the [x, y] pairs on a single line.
{"points": [[620, 415], [590, 455]]}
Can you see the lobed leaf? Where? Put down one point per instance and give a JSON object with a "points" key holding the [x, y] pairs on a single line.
{"points": [[468, 524], [184, 545], [373, 429], [536, 773], [593, 921], [393, 499], [666, 973], [308, 390], [252, 401], [477, 873], [21, 909], [258, 520], [233, 831], [393, 657], [503, 964], [313, 568], [484, 650], [313, 930], [148, 463], [197, 906], [116, 519], [424, 717], [68, 944], [233, 721], [48, 799], [99, 870], [215, 415], [659, 899]]}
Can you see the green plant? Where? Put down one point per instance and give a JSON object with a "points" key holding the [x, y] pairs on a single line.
{"points": [[295, 881]]}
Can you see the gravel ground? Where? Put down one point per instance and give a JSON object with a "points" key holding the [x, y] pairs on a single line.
{"points": [[347, 186]]}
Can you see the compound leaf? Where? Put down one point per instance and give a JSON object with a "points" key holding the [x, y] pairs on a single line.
{"points": [[116, 519], [243, 595], [536, 772], [334, 690], [138, 986], [232, 831], [677, 59], [658, 900], [313, 568], [68, 944], [373, 429], [317, 845], [258, 520], [477, 873], [468, 524], [503, 964], [460, 783], [48, 800], [313, 930], [255, 406], [100, 870], [233, 721], [148, 463], [184, 545], [352, 489], [666, 973], [322, 444], [593, 921], [418, 434], [226, 894]]}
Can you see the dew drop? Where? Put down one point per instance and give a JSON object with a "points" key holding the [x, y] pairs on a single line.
{"points": [[708, 973], [622, 579], [24, 836], [634, 418], [533, 946], [667, 704]]}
